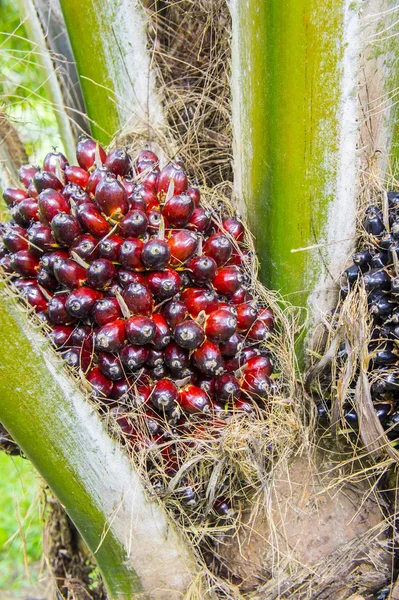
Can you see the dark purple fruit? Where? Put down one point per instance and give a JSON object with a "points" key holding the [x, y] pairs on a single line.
{"points": [[100, 273], [193, 399], [110, 247], [86, 247], [176, 358], [25, 263], [92, 221], [134, 357], [174, 312], [111, 197], [203, 269], [86, 153], [69, 273], [102, 386], [162, 334], [118, 162], [106, 311], [220, 325], [164, 284], [110, 366], [130, 253], [110, 337], [178, 210], [57, 311], [156, 254], [50, 203], [189, 334], [43, 180], [208, 359], [138, 299], [227, 388], [140, 330], [164, 395], [80, 302], [66, 229], [218, 247], [134, 224]]}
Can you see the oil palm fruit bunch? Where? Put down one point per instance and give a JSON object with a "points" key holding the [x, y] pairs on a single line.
{"points": [[142, 288], [375, 266]]}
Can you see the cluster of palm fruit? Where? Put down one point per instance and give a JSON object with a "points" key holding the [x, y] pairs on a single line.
{"points": [[143, 289], [376, 265]]}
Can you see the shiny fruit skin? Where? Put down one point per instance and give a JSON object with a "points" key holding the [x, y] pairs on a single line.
{"points": [[95, 177], [134, 357], [69, 273], [140, 330], [61, 336], [26, 174], [44, 179], [126, 277], [91, 220], [25, 263], [202, 300], [106, 311], [79, 197], [134, 224], [46, 280], [86, 246], [111, 337], [174, 312], [138, 299], [40, 238], [178, 210], [267, 316], [86, 153], [100, 273], [66, 229], [232, 346], [102, 386], [110, 247], [34, 297], [111, 198], [227, 388], [156, 254], [164, 395], [218, 247], [193, 399], [243, 405], [240, 296], [227, 281], [195, 194], [183, 245], [57, 310], [81, 301], [234, 227], [259, 364], [203, 269], [220, 325], [118, 162], [208, 359], [175, 172], [163, 334], [13, 196], [82, 337], [189, 334], [258, 332], [164, 284], [110, 365], [54, 161], [155, 357], [200, 220], [77, 358], [255, 385], [154, 221], [48, 260], [27, 211], [246, 316], [176, 357], [130, 253], [147, 156], [15, 238], [77, 175]]}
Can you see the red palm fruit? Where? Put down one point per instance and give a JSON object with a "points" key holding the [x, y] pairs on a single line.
{"points": [[255, 385], [106, 311], [100, 274], [174, 312], [40, 239], [156, 254], [66, 229], [164, 395], [134, 224], [244, 405], [183, 245], [25, 263], [141, 395], [138, 299], [159, 372], [208, 359], [122, 390], [193, 399], [46, 280], [86, 153], [91, 220], [77, 175], [164, 284], [200, 220], [222, 507], [26, 174], [146, 193], [154, 221], [130, 253], [194, 193], [61, 336], [102, 386], [152, 422], [149, 178], [68, 273], [134, 357], [220, 325], [54, 161], [228, 306], [144, 167], [207, 384], [173, 172], [57, 312], [118, 162], [227, 281], [178, 210], [34, 297], [155, 357], [110, 337], [5, 264], [80, 302], [77, 358], [242, 356], [231, 346], [203, 269], [86, 246], [79, 197], [126, 277], [27, 212], [48, 260], [43, 180], [13, 196], [82, 337], [267, 316], [189, 334], [140, 330], [203, 300], [109, 248], [240, 296], [246, 315], [162, 334], [50, 203], [68, 190], [129, 185], [95, 177], [32, 191], [259, 364], [258, 332], [147, 156], [234, 227], [110, 365], [15, 238], [111, 197], [227, 388], [136, 202], [218, 247], [114, 289], [176, 358]]}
